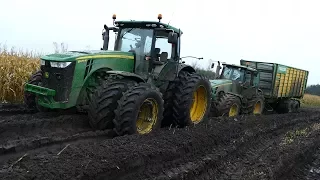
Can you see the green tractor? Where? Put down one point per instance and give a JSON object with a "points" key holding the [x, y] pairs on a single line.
{"points": [[140, 86], [236, 91]]}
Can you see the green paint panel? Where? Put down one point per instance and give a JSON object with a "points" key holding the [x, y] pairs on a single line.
{"points": [[282, 69], [100, 60]]}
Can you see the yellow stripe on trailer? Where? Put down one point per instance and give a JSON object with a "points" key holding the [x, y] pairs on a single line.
{"points": [[105, 56]]}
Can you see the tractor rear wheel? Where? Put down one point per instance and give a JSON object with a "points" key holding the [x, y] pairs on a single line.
{"points": [[258, 106], [229, 105], [191, 100], [104, 102], [140, 110]]}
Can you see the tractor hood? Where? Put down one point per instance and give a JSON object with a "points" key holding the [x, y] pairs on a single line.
{"points": [[220, 85], [80, 55], [220, 82]]}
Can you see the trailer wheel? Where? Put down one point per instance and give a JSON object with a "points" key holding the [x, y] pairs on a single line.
{"points": [[140, 110], [229, 105], [295, 106], [285, 106]]}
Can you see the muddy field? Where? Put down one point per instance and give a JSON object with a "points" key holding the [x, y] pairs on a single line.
{"points": [[62, 146]]}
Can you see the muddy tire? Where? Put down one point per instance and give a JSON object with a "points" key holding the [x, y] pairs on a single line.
{"points": [[30, 98], [104, 102], [258, 106], [286, 106], [140, 110], [168, 98], [191, 100], [229, 105], [295, 106]]}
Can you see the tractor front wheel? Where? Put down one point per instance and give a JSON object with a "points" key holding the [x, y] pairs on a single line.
{"points": [[140, 110], [192, 100], [30, 99], [104, 102], [229, 105]]}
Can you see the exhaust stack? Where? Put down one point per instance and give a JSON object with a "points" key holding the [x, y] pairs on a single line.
{"points": [[105, 38], [218, 70]]}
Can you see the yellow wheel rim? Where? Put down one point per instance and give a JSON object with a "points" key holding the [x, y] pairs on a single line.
{"points": [[147, 116], [199, 105], [233, 110], [257, 108]]}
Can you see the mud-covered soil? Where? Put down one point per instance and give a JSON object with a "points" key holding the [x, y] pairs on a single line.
{"points": [[63, 146]]}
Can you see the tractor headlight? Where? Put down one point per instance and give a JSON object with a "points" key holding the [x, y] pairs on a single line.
{"points": [[60, 64], [42, 62]]}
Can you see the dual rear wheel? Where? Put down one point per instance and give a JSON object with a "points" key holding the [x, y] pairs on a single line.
{"points": [[128, 107]]}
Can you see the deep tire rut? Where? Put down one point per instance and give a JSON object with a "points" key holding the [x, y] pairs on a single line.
{"points": [[62, 146]]}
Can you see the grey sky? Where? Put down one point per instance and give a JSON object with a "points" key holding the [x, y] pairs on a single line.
{"points": [[282, 31]]}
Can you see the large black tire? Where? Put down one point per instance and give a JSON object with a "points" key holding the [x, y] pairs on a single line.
{"points": [[258, 106], [132, 103], [286, 106], [30, 98], [186, 110], [104, 102], [168, 98], [227, 102], [295, 106]]}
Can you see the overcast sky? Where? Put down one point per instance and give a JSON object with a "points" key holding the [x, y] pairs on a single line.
{"points": [[282, 31]]}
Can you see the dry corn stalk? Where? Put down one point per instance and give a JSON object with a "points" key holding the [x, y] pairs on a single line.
{"points": [[15, 69]]}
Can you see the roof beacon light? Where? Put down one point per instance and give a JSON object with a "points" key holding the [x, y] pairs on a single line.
{"points": [[114, 17], [159, 17]]}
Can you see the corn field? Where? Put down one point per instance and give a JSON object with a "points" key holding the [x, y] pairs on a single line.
{"points": [[15, 69]]}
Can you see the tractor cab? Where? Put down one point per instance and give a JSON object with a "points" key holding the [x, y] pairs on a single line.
{"points": [[235, 79], [152, 43], [242, 74]]}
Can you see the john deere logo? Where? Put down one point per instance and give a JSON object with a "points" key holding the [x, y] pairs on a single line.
{"points": [[46, 75]]}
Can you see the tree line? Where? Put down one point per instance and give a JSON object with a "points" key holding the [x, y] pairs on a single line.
{"points": [[313, 89]]}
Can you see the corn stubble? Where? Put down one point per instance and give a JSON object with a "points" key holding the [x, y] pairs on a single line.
{"points": [[15, 69]]}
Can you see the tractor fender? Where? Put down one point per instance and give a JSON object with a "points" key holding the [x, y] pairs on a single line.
{"points": [[129, 75], [238, 95], [169, 71], [106, 71], [184, 67]]}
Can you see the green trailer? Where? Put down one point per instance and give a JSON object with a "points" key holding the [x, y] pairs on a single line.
{"points": [[282, 86], [254, 87]]}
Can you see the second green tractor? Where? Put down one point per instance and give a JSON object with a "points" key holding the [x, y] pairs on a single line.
{"points": [[136, 88]]}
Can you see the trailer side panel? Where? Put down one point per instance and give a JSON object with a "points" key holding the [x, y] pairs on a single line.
{"points": [[279, 81]]}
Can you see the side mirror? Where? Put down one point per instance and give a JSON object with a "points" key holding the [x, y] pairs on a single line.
{"points": [[173, 38], [212, 65]]}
